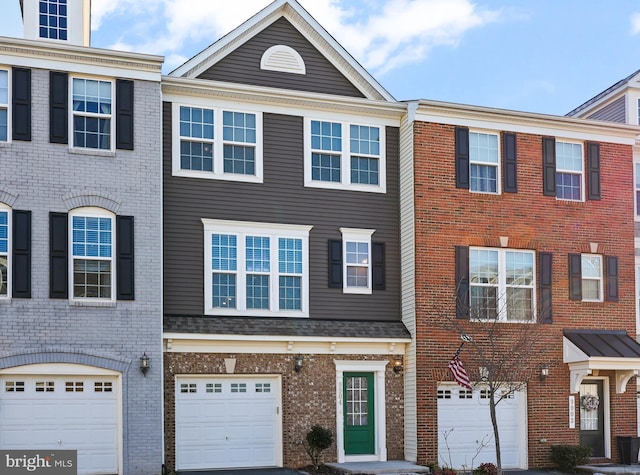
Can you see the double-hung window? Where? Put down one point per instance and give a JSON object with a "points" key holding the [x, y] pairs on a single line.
{"points": [[637, 186], [4, 105], [484, 169], [501, 284], [569, 171], [91, 120], [357, 260], [217, 143], [344, 155], [592, 277], [92, 254], [5, 250], [256, 268], [53, 19]]}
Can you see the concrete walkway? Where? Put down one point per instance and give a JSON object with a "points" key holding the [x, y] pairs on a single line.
{"points": [[379, 468]]}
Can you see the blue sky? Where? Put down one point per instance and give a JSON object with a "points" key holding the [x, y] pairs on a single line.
{"points": [[544, 56]]}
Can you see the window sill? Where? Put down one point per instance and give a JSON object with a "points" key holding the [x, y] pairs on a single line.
{"points": [[252, 313], [92, 152], [357, 291], [92, 303], [219, 176], [329, 185]]}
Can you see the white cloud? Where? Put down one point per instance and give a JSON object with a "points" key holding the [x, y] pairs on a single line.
{"points": [[635, 23], [381, 35]]}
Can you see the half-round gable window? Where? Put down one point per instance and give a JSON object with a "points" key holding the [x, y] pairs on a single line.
{"points": [[284, 59]]}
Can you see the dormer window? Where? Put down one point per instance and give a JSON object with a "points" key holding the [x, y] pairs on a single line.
{"points": [[53, 19]]}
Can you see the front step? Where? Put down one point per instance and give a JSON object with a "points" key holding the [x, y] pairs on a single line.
{"points": [[392, 467]]}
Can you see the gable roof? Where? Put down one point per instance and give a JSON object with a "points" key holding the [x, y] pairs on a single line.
{"points": [[609, 92], [307, 26]]}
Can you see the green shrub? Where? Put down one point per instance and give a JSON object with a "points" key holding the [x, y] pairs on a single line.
{"points": [[486, 469], [317, 440], [568, 457]]}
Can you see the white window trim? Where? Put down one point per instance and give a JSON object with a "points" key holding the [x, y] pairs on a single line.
{"points": [[273, 231], [345, 158], [497, 165], [636, 188], [8, 105], [356, 235], [218, 145], [112, 116], [600, 280], [9, 211], [573, 172], [502, 283], [93, 212]]}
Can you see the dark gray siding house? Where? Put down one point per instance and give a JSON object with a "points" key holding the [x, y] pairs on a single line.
{"points": [[281, 251]]}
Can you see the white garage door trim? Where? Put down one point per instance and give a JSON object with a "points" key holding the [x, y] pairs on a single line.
{"points": [[59, 370], [466, 408], [192, 391]]}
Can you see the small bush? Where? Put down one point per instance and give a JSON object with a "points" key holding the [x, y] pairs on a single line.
{"points": [[486, 469], [317, 440], [568, 457]]}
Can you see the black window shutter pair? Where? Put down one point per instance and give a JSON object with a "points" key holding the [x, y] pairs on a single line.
{"points": [[549, 168], [377, 265], [21, 282], [59, 257], [509, 160], [611, 292], [545, 261], [59, 104]]}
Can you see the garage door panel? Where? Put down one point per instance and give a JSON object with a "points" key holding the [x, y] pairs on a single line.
{"points": [[464, 425], [227, 422], [64, 413]]}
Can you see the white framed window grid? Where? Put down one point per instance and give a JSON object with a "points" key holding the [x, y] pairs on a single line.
{"points": [[502, 284], [484, 162], [217, 142], [5, 251], [256, 268], [91, 120], [356, 260], [592, 277], [569, 171]]}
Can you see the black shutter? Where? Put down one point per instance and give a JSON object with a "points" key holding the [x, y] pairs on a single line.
{"points": [[593, 162], [125, 258], [611, 266], [58, 106], [575, 277], [549, 166], [462, 282], [21, 254], [462, 157], [546, 285], [124, 114], [378, 265], [510, 162], [21, 107], [58, 256], [335, 264]]}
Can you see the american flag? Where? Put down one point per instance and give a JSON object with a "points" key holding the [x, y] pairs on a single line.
{"points": [[458, 371]]}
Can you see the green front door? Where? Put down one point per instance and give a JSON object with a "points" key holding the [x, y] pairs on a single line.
{"points": [[359, 417]]}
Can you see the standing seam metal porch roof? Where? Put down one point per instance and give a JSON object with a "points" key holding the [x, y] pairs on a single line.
{"points": [[604, 343]]}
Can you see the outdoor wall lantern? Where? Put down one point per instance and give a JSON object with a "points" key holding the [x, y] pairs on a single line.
{"points": [[397, 366], [544, 373], [144, 364], [298, 364]]}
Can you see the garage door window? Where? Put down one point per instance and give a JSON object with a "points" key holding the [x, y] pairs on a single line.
{"points": [[188, 388], [45, 386], [103, 387], [213, 388], [263, 387], [238, 388], [14, 386]]}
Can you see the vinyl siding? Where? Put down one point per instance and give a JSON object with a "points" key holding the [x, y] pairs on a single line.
{"points": [[614, 112], [282, 198], [243, 65]]}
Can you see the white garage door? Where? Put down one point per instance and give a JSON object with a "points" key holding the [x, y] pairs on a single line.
{"points": [[224, 422], [464, 427], [62, 413]]}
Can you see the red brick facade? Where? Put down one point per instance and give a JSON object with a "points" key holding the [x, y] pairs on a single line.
{"points": [[308, 397], [446, 216]]}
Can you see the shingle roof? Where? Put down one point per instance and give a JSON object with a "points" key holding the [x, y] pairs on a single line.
{"points": [[604, 343], [305, 327], [602, 94]]}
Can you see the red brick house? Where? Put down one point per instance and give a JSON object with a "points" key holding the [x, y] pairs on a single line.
{"points": [[523, 218]]}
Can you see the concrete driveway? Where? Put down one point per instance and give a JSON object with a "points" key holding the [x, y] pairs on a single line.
{"points": [[253, 471]]}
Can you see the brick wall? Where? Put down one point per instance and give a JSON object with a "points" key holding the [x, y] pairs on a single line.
{"points": [[308, 397], [44, 177], [447, 217]]}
